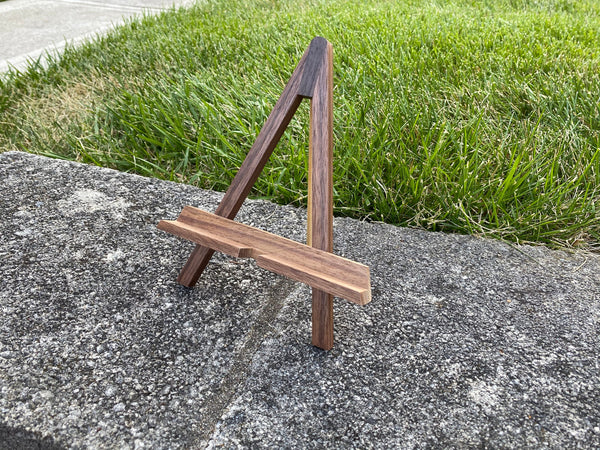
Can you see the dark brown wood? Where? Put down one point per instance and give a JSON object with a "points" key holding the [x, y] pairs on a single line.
{"points": [[320, 192], [317, 268], [300, 84], [314, 263]]}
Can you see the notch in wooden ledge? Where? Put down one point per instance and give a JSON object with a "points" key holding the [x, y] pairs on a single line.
{"points": [[314, 263]]}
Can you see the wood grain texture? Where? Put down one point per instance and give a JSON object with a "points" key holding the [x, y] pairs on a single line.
{"points": [[317, 268], [320, 191]]}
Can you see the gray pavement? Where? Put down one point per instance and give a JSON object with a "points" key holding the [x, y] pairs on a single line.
{"points": [[468, 342], [31, 28]]}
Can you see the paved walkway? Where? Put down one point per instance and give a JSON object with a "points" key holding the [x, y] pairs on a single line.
{"points": [[28, 28]]}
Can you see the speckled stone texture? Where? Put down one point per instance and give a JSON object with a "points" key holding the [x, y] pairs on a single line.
{"points": [[467, 342]]}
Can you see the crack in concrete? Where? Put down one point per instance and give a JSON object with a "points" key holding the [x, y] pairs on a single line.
{"points": [[217, 403]]}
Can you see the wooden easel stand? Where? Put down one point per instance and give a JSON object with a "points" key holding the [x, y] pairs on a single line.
{"points": [[317, 266]]}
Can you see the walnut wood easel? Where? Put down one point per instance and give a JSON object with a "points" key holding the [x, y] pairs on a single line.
{"points": [[313, 263]]}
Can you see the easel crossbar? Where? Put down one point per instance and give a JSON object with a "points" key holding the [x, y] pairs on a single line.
{"points": [[319, 269]]}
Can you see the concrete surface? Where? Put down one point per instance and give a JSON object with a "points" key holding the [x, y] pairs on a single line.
{"points": [[29, 28], [467, 343]]}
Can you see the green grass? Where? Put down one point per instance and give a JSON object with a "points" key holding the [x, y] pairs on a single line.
{"points": [[477, 117]]}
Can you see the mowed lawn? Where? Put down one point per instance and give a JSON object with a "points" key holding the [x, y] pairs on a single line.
{"points": [[477, 117]]}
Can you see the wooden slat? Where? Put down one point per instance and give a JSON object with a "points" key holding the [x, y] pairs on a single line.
{"points": [[206, 238], [328, 281], [317, 268]]}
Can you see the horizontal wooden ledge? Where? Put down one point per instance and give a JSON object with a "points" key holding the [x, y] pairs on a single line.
{"points": [[319, 269]]}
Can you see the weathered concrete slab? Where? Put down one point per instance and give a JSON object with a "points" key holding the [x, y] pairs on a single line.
{"points": [[467, 342], [99, 345]]}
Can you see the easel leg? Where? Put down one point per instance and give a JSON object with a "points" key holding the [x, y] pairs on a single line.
{"points": [[195, 265], [322, 319], [251, 168], [320, 194]]}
